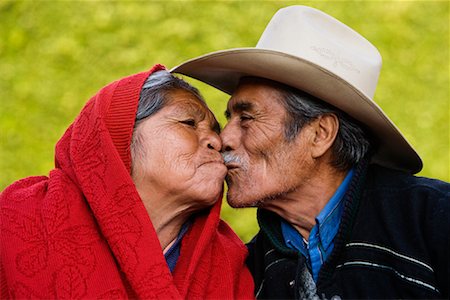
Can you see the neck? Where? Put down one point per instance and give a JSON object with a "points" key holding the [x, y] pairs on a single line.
{"points": [[167, 215], [300, 206], [167, 224]]}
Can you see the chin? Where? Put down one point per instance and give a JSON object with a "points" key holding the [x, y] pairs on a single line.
{"points": [[241, 198], [210, 196], [241, 201], [210, 201]]}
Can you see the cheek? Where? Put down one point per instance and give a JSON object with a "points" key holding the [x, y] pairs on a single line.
{"points": [[269, 173], [170, 156], [179, 156], [261, 142]]}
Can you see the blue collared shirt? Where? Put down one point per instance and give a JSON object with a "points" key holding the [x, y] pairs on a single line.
{"points": [[321, 238]]}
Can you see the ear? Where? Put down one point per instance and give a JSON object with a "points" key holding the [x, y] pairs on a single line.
{"points": [[325, 130]]}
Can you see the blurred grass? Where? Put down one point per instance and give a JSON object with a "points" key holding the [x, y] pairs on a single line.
{"points": [[54, 55]]}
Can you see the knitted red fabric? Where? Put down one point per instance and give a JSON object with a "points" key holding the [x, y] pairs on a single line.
{"points": [[83, 231]]}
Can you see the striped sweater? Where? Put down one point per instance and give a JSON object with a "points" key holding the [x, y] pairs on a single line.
{"points": [[393, 242]]}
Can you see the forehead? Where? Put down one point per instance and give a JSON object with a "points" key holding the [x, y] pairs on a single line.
{"points": [[184, 103], [183, 100], [254, 94]]}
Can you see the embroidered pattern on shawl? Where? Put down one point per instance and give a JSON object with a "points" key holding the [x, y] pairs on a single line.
{"points": [[83, 232]]}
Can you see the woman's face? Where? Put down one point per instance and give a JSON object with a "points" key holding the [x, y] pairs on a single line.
{"points": [[176, 155]]}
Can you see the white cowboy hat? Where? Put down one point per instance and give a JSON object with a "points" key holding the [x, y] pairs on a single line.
{"points": [[309, 50]]}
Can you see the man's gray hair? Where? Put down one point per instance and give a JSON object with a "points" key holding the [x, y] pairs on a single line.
{"points": [[353, 140], [154, 96]]}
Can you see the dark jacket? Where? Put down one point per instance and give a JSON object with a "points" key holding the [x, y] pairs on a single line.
{"points": [[393, 242]]}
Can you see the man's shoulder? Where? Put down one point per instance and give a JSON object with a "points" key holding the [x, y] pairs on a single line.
{"points": [[405, 197], [393, 181], [258, 246]]}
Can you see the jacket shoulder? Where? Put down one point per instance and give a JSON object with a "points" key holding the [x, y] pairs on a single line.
{"points": [[392, 181]]}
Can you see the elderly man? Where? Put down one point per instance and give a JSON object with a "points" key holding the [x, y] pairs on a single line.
{"points": [[340, 213]]}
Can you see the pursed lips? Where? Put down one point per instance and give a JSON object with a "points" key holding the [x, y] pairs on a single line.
{"points": [[231, 166], [214, 161]]}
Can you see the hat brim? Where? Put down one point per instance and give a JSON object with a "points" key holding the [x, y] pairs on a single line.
{"points": [[223, 69]]}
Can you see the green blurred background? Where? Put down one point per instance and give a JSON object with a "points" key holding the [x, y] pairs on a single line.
{"points": [[54, 55]]}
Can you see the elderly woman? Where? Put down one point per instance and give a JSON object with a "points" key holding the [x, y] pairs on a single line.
{"points": [[132, 206]]}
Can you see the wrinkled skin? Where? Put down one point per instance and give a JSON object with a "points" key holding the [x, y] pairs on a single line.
{"points": [[262, 164], [178, 165]]}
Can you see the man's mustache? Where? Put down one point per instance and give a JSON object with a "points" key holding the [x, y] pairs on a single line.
{"points": [[230, 158]]}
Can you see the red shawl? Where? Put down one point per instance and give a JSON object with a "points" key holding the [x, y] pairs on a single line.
{"points": [[83, 232]]}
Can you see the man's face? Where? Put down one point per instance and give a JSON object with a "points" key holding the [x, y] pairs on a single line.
{"points": [[262, 164]]}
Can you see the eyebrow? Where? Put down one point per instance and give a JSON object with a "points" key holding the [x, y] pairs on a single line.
{"points": [[239, 106], [190, 109]]}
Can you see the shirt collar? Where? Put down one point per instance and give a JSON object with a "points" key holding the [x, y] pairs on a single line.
{"points": [[328, 220], [293, 239]]}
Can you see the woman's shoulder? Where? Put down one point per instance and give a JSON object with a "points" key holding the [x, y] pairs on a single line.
{"points": [[23, 189], [35, 199]]}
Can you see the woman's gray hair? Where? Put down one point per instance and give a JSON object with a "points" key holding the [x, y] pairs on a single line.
{"points": [[353, 140], [154, 93], [154, 96]]}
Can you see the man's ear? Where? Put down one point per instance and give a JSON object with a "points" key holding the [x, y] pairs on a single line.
{"points": [[325, 130]]}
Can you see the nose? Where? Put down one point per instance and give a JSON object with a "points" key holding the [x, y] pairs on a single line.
{"points": [[230, 137], [213, 141]]}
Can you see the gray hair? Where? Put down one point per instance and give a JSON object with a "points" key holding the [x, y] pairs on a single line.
{"points": [[154, 96], [353, 140], [155, 90]]}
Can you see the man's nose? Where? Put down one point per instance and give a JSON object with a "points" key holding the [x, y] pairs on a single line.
{"points": [[230, 137]]}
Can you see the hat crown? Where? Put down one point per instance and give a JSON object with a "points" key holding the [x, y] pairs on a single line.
{"points": [[311, 51], [314, 36]]}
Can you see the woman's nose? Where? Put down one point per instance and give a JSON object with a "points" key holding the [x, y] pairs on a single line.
{"points": [[213, 141]]}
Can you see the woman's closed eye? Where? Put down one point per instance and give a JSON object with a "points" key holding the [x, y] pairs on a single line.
{"points": [[189, 122]]}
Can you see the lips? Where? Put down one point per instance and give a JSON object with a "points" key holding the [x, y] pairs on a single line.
{"points": [[214, 161], [231, 166]]}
